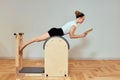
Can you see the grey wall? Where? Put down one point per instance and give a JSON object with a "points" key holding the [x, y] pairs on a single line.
{"points": [[34, 17]]}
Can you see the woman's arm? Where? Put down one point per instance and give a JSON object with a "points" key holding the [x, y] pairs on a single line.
{"points": [[72, 33]]}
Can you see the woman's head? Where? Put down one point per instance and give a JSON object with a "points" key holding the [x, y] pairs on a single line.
{"points": [[79, 17]]}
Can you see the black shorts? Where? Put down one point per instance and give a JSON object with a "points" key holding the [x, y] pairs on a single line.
{"points": [[56, 32]]}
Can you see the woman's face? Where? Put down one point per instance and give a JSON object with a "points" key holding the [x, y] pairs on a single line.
{"points": [[81, 19]]}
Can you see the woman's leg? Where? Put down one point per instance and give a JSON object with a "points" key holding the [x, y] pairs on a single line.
{"points": [[42, 37], [37, 39]]}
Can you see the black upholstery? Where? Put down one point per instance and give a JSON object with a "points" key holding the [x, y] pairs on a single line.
{"points": [[32, 70]]}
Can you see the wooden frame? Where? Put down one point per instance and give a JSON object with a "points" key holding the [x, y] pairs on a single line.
{"points": [[19, 56]]}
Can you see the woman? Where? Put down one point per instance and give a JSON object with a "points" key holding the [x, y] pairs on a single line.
{"points": [[68, 28]]}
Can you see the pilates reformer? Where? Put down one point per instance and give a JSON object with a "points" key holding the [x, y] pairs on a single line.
{"points": [[56, 58]]}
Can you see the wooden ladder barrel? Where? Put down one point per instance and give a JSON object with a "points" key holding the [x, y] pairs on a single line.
{"points": [[55, 61]]}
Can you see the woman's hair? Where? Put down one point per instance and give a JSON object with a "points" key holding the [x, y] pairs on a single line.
{"points": [[79, 14]]}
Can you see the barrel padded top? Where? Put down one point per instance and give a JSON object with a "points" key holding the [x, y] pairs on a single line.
{"points": [[56, 37]]}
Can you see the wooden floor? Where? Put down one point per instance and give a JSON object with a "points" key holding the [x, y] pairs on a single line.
{"points": [[78, 70]]}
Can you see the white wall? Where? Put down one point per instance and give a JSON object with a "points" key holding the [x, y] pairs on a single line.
{"points": [[34, 17]]}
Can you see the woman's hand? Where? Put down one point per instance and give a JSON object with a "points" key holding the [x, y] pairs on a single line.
{"points": [[86, 32], [83, 35]]}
